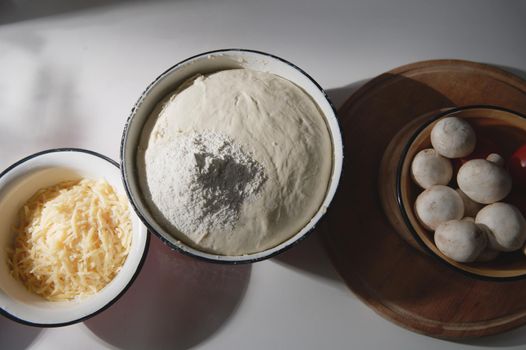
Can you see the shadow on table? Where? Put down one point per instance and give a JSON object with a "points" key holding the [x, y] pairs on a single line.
{"points": [[15, 336], [176, 302], [310, 255], [339, 95]]}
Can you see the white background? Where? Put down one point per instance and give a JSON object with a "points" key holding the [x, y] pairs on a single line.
{"points": [[70, 72]]}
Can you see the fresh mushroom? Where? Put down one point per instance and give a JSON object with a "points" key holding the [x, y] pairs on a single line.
{"points": [[496, 159], [438, 204], [506, 225], [460, 240], [430, 168], [471, 208], [484, 181], [453, 137]]}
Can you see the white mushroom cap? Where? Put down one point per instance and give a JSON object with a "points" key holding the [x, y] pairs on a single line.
{"points": [[453, 137], [471, 208], [484, 181], [507, 226], [430, 168], [460, 240], [438, 204], [496, 159]]}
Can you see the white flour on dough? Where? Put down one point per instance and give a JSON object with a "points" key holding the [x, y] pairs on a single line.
{"points": [[235, 162]]}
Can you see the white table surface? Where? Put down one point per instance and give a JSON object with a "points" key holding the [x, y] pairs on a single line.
{"points": [[70, 72]]}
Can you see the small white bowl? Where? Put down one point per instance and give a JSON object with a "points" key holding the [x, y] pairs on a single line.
{"points": [[209, 62], [17, 184]]}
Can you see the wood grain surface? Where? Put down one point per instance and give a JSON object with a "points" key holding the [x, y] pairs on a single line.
{"points": [[400, 283]]}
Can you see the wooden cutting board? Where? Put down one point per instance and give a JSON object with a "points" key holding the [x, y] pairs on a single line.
{"points": [[397, 281]]}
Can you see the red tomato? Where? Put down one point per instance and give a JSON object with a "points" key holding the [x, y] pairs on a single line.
{"points": [[517, 167]]}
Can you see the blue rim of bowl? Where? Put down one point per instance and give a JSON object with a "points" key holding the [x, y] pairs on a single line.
{"points": [[402, 207], [128, 285], [132, 199]]}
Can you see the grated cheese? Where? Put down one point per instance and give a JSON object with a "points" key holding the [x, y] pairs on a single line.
{"points": [[71, 239]]}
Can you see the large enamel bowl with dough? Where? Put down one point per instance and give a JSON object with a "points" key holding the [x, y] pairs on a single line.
{"points": [[328, 154]]}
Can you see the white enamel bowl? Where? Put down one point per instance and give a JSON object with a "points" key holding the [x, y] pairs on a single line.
{"points": [[209, 62], [17, 184]]}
